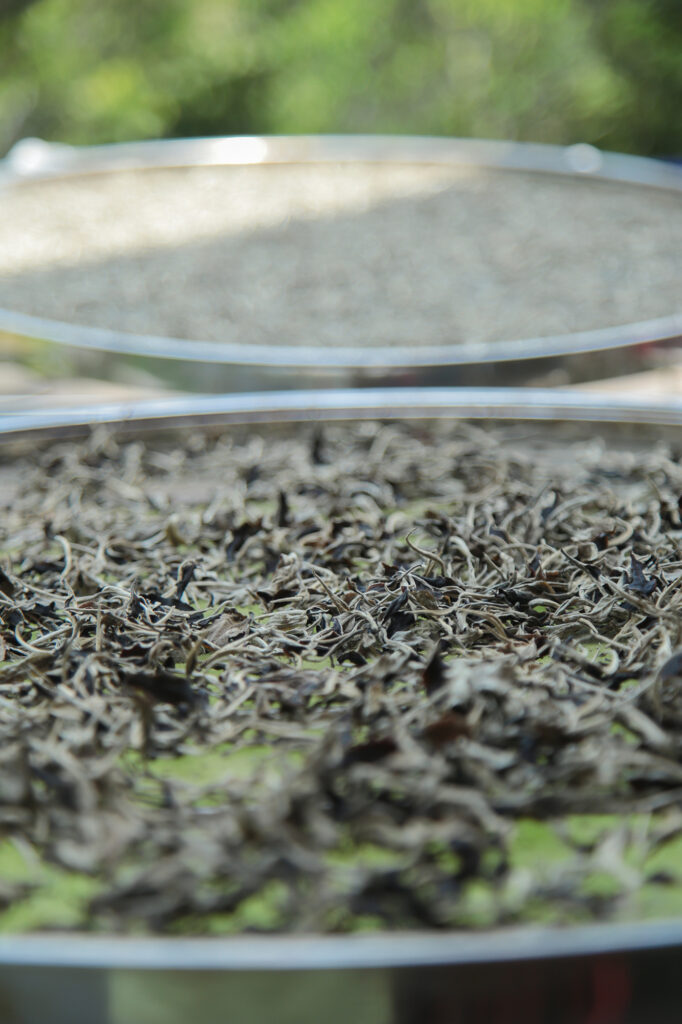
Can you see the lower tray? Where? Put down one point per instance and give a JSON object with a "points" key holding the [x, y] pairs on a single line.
{"points": [[598, 974]]}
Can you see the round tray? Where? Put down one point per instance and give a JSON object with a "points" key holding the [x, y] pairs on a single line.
{"points": [[598, 974], [214, 366]]}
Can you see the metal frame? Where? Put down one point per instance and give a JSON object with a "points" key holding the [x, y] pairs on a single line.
{"points": [[245, 366]]}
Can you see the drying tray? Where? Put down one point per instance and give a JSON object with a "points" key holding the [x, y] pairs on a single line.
{"points": [[213, 366], [596, 974]]}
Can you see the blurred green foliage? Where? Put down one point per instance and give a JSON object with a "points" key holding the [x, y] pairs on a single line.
{"points": [[602, 71]]}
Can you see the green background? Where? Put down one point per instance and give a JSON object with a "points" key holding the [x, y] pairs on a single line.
{"points": [[608, 72]]}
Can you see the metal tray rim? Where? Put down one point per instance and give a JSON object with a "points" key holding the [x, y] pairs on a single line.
{"points": [[346, 403], [320, 952]]}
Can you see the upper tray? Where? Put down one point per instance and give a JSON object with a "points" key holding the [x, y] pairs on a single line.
{"points": [[241, 365]]}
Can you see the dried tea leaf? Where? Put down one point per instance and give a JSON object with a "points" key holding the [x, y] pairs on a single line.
{"points": [[434, 673]]}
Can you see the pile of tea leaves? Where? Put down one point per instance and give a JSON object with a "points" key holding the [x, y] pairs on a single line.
{"points": [[375, 676]]}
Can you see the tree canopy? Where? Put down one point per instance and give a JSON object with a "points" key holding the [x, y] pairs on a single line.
{"points": [[86, 71]]}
